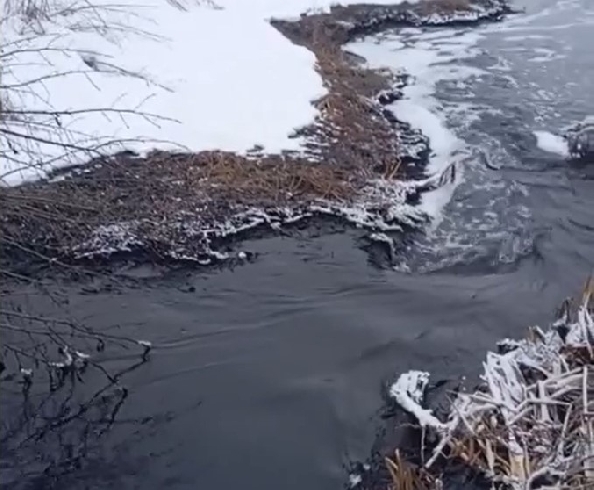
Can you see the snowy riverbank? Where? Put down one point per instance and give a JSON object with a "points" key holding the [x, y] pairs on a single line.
{"points": [[202, 77], [358, 160]]}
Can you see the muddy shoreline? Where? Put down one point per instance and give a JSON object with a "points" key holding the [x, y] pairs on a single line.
{"points": [[360, 166]]}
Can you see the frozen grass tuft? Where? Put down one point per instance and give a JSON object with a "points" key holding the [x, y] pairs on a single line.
{"points": [[530, 424]]}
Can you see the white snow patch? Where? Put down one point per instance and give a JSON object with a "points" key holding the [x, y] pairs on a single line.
{"points": [[212, 79], [408, 391], [551, 143]]}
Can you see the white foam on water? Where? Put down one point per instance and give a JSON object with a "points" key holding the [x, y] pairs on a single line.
{"points": [[525, 37], [429, 58], [551, 143], [501, 65], [529, 23], [435, 201], [545, 55]]}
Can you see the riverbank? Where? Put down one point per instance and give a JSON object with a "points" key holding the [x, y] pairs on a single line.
{"points": [[360, 165]]}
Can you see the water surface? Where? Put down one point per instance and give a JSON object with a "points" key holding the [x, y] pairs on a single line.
{"points": [[269, 375]]}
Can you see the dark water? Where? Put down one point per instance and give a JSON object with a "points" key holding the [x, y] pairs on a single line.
{"points": [[269, 375]]}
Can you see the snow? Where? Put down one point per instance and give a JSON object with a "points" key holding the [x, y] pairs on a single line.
{"points": [[551, 143], [212, 77], [408, 392], [225, 79], [355, 480]]}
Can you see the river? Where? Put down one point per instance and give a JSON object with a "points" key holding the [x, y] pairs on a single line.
{"points": [[269, 375]]}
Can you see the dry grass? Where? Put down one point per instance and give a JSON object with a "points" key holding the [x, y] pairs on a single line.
{"points": [[278, 180], [158, 192], [406, 476], [353, 132], [429, 7]]}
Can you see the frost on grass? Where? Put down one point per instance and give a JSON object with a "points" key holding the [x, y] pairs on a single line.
{"points": [[530, 423]]}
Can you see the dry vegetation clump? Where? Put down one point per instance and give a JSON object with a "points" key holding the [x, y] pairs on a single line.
{"points": [[161, 192], [531, 423], [350, 130], [273, 179], [349, 121], [407, 476]]}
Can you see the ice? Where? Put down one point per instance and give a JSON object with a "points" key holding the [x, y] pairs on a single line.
{"points": [[213, 77], [551, 143], [434, 201], [429, 57], [408, 391], [443, 142]]}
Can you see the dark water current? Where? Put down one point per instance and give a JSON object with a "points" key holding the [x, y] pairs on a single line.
{"points": [[268, 376]]}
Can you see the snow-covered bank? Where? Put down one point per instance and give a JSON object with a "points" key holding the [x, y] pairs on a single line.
{"points": [[364, 164], [204, 77], [207, 78]]}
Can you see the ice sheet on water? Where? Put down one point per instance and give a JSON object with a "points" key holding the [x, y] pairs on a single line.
{"points": [[551, 143], [429, 57]]}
